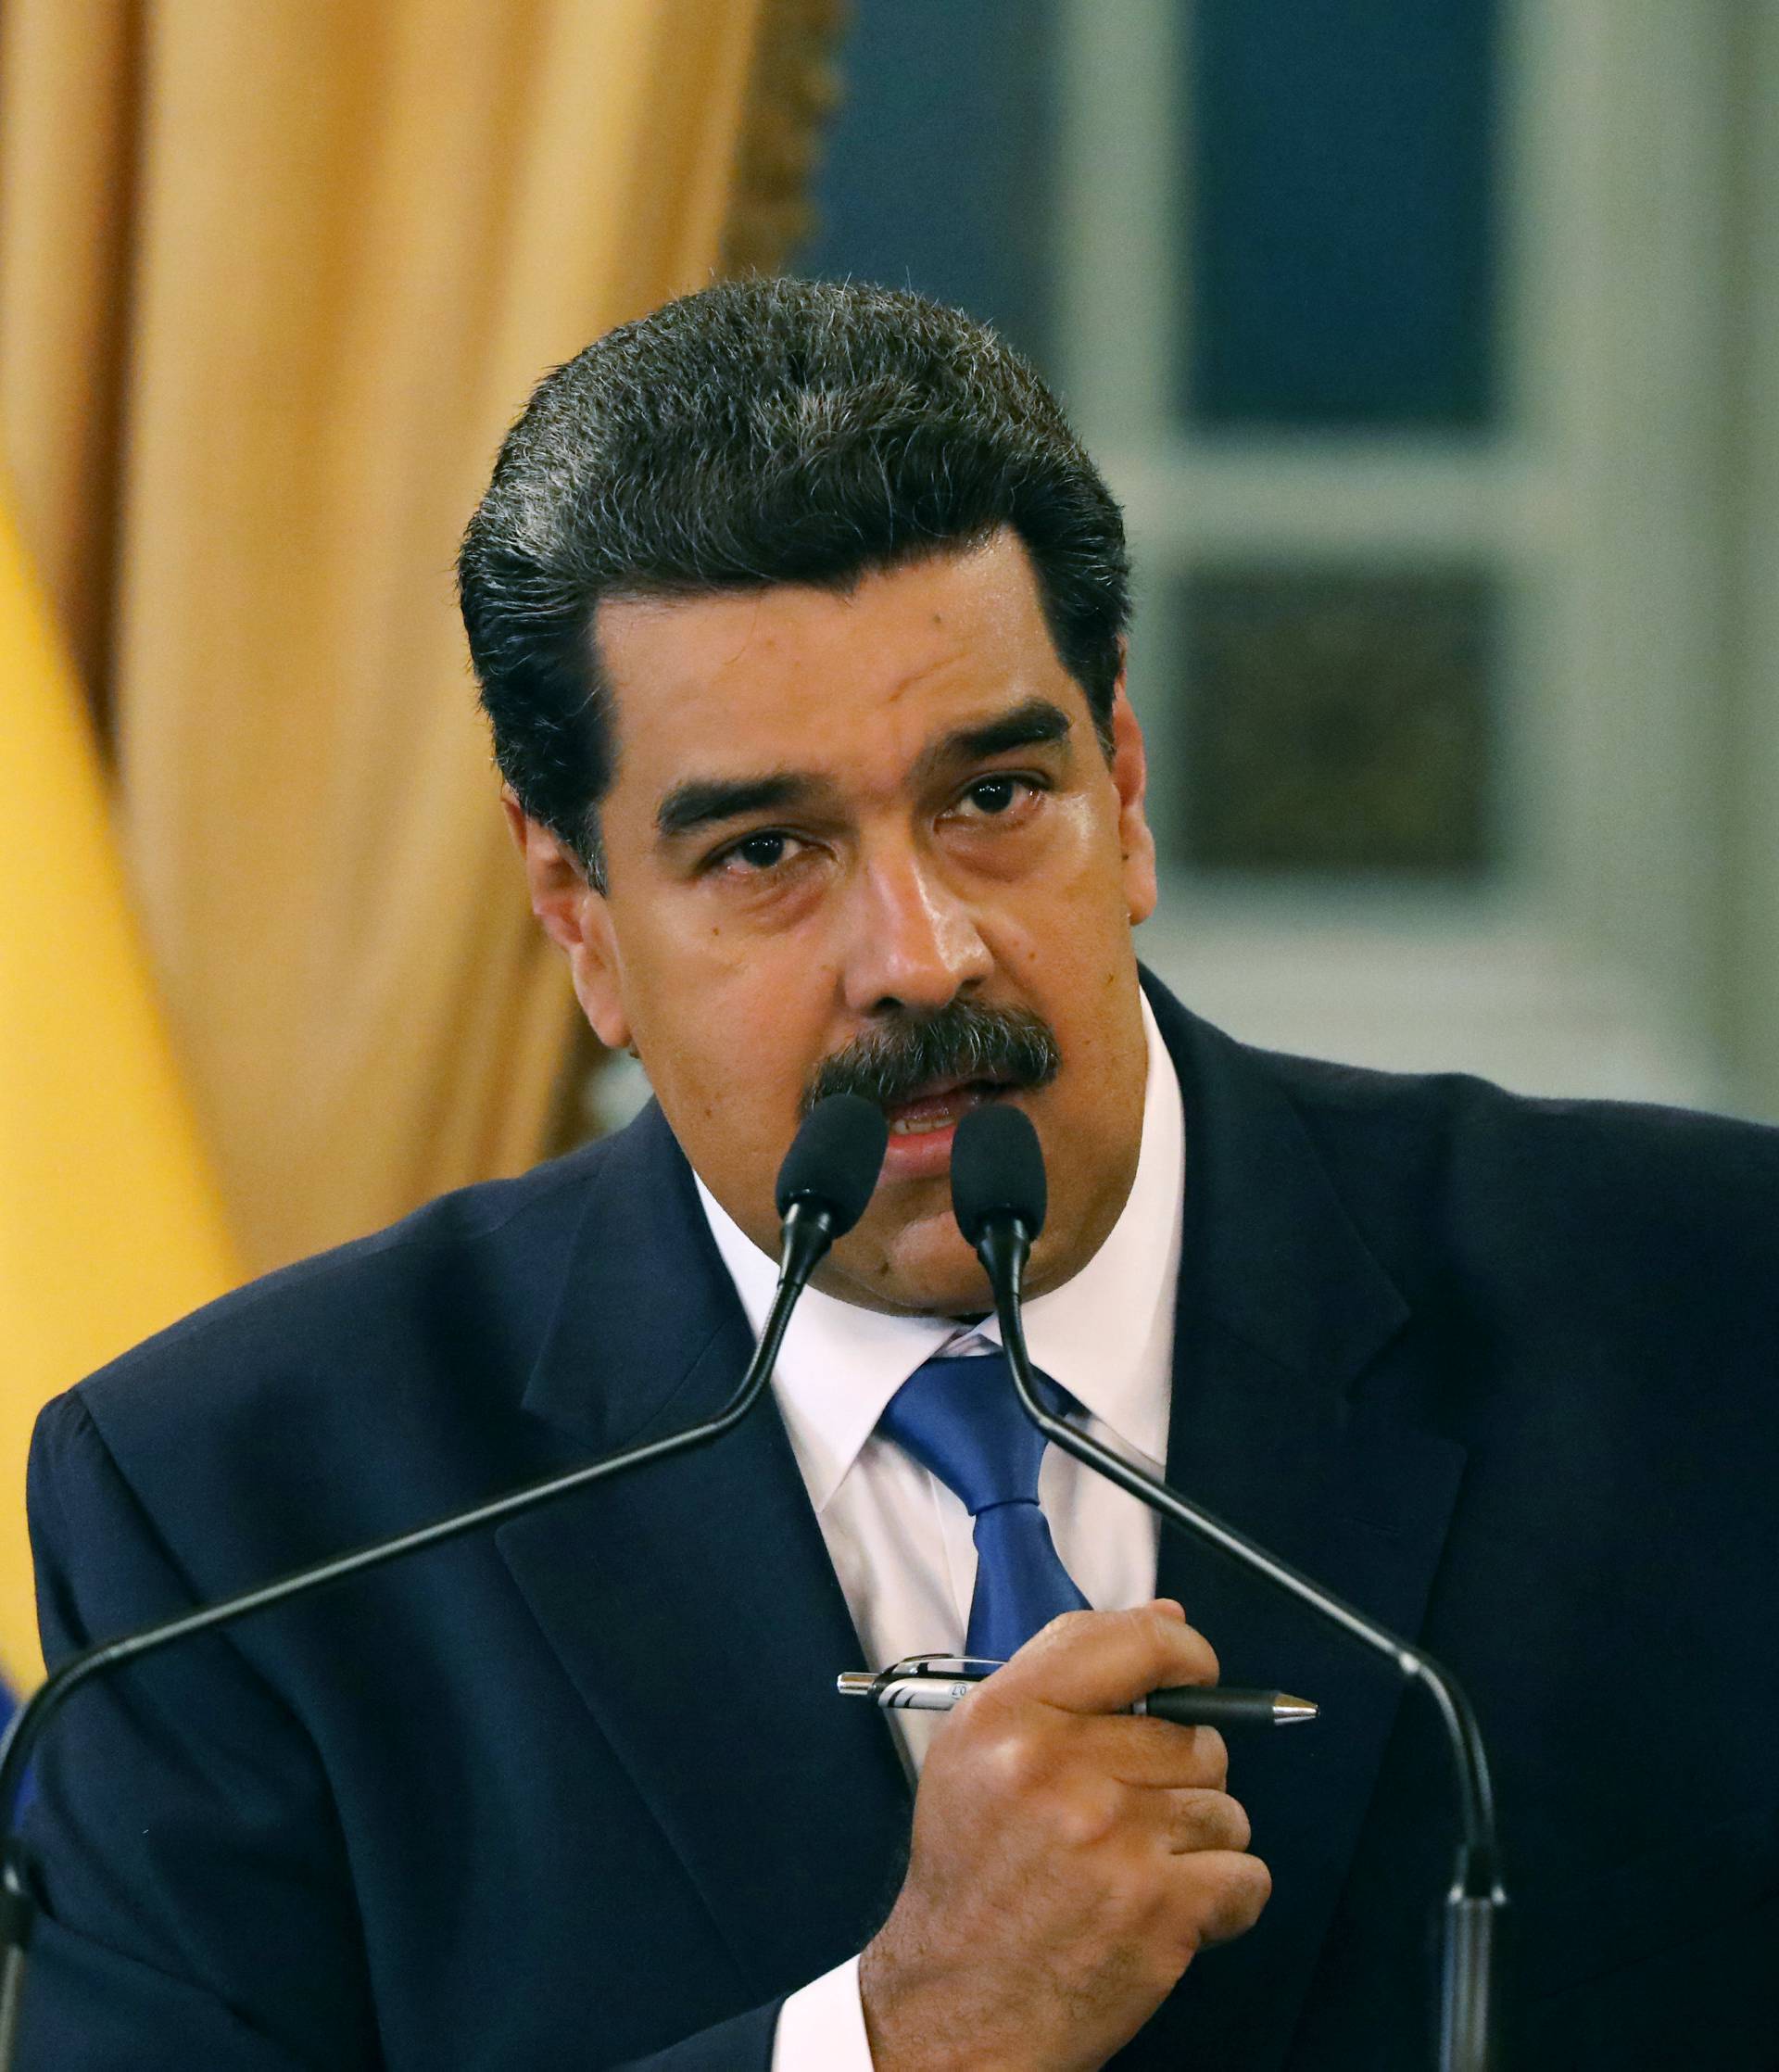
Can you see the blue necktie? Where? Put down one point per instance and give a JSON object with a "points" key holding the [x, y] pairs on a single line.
{"points": [[961, 1419]]}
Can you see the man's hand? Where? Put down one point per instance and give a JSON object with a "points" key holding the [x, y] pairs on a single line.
{"points": [[1068, 1863]]}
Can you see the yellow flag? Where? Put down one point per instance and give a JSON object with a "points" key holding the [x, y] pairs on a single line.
{"points": [[110, 1226]]}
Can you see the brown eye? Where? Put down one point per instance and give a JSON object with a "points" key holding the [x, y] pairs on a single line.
{"points": [[761, 852], [993, 794]]}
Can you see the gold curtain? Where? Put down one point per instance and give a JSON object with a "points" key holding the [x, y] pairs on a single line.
{"points": [[274, 276]]}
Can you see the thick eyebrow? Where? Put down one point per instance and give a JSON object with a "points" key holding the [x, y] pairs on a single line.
{"points": [[705, 801], [702, 802], [1030, 725]]}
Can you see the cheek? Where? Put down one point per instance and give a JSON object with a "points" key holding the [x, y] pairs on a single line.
{"points": [[1072, 939], [723, 1020]]}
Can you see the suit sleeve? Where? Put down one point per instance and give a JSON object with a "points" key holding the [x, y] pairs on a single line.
{"points": [[182, 1840], [742, 2044]]}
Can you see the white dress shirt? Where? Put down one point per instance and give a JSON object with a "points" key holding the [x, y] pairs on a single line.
{"points": [[901, 1542]]}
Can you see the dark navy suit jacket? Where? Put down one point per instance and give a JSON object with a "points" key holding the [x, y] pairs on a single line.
{"points": [[579, 1792]]}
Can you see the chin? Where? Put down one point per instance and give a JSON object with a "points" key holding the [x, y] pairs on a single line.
{"points": [[926, 1268]]}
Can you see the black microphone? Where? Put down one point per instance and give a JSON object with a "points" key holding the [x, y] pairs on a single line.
{"points": [[824, 1187], [827, 1178], [998, 1195]]}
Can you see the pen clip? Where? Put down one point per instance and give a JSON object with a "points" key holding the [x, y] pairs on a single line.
{"points": [[972, 1668]]}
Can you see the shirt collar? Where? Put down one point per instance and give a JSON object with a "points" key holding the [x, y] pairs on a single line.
{"points": [[1105, 1335]]}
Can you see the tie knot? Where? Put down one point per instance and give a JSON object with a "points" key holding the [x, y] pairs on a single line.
{"points": [[960, 1417]]}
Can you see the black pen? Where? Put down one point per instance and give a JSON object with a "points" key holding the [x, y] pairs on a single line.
{"points": [[909, 1688]]}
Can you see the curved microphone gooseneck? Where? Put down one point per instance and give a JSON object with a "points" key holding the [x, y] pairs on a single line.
{"points": [[999, 1195], [824, 1187]]}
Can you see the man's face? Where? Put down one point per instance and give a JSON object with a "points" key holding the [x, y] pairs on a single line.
{"points": [[832, 818]]}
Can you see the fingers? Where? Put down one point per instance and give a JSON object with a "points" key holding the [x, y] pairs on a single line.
{"points": [[1152, 1754], [1194, 1821], [1229, 1893], [1103, 1661]]}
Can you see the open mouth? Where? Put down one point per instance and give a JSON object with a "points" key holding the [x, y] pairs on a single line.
{"points": [[939, 1107]]}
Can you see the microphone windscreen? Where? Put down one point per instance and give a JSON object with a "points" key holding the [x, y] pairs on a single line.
{"points": [[834, 1158], [997, 1169]]}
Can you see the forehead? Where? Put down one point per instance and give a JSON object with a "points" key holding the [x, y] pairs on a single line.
{"points": [[798, 678]]}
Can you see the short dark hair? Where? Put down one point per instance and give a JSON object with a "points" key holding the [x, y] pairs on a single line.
{"points": [[764, 430]]}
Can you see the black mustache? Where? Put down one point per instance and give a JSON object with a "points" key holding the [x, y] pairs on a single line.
{"points": [[962, 1041]]}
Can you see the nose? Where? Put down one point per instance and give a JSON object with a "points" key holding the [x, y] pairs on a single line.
{"points": [[912, 942]]}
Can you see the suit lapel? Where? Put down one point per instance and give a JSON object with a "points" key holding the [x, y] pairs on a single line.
{"points": [[1281, 1306], [720, 1699]]}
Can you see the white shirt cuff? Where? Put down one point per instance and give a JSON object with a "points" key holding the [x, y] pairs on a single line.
{"points": [[821, 2027]]}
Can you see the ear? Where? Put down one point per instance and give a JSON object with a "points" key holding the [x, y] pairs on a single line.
{"points": [[576, 919], [1131, 781]]}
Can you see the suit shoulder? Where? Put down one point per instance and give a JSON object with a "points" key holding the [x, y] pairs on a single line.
{"points": [[1446, 1157], [455, 1289], [1602, 1191], [1576, 1142]]}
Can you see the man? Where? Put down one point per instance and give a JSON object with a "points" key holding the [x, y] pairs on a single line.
{"points": [[799, 615]]}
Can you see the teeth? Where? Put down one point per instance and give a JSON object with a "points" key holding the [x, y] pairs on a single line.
{"points": [[921, 1129]]}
